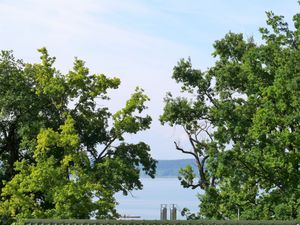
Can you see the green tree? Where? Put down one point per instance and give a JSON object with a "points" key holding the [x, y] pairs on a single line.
{"points": [[242, 121], [62, 155]]}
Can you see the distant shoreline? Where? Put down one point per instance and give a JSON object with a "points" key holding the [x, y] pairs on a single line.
{"points": [[159, 177], [170, 168]]}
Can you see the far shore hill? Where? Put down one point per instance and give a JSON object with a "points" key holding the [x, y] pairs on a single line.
{"points": [[170, 168]]}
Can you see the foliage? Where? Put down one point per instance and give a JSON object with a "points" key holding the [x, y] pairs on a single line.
{"points": [[242, 122], [62, 155], [150, 222]]}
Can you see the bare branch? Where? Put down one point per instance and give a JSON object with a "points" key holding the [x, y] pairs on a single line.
{"points": [[204, 159], [193, 186], [103, 153], [92, 152], [213, 181], [211, 99], [209, 135], [185, 152]]}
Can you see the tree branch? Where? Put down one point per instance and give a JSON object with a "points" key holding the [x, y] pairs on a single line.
{"points": [[90, 150], [183, 151], [103, 153]]}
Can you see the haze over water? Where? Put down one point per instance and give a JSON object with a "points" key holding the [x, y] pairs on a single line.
{"points": [[146, 203]]}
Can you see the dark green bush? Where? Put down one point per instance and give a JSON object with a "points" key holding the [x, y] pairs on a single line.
{"points": [[156, 222]]}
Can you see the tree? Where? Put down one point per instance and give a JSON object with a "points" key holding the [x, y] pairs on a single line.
{"points": [[242, 122], [62, 155]]}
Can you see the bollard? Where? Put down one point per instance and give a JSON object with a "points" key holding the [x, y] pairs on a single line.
{"points": [[173, 212], [163, 212]]}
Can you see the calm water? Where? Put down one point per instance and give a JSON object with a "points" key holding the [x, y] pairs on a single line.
{"points": [[146, 203]]}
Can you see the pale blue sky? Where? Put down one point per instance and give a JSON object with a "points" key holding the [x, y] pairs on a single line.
{"points": [[137, 40]]}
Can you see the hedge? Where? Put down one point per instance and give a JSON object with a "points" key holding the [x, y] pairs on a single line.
{"points": [[156, 222]]}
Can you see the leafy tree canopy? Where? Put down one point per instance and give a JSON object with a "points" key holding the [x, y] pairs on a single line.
{"points": [[242, 120], [62, 155]]}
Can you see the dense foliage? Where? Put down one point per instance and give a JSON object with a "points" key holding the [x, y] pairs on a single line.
{"points": [[242, 120], [62, 152], [155, 222]]}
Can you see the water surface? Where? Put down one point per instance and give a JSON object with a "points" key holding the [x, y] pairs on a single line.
{"points": [[146, 203]]}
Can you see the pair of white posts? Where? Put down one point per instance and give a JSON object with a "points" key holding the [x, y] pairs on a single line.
{"points": [[164, 212]]}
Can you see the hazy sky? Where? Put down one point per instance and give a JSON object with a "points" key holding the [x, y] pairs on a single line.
{"points": [[137, 40]]}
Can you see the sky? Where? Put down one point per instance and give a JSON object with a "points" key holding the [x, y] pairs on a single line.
{"points": [[139, 41]]}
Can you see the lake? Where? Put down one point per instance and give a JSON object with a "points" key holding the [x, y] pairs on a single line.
{"points": [[146, 203]]}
